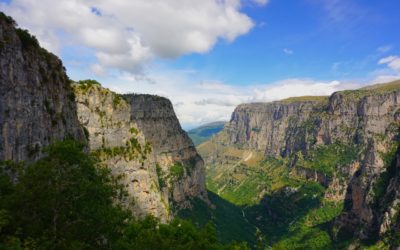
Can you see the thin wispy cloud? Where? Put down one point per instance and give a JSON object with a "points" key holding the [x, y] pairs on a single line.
{"points": [[343, 16], [390, 70], [385, 48], [288, 51], [392, 62]]}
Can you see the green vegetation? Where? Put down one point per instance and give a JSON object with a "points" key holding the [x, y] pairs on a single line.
{"points": [[289, 211], [160, 176], [7, 19], [229, 220], [27, 40], [295, 217], [326, 159], [204, 132], [380, 186], [89, 82], [244, 184], [179, 234], [69, 201], [132, 150], [310, 231], [85, 85], [48, 107], [116, 100], [71, 96], [320, 99], [86, 132], [378, 89], [134, 131], [177, 171], [146, 96], [62, 201]]}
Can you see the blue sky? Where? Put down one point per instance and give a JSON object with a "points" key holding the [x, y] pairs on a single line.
{"points": [[209, 56], [317, 40]]}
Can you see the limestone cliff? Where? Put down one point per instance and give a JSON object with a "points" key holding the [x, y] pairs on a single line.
{"points": [[169, 175], [360, 127], [137, 136], [269, 126], [36, 101]]}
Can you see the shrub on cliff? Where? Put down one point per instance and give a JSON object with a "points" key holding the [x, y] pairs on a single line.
{"points": [[27, 40]]}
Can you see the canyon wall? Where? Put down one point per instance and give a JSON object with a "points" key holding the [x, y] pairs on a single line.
{"points": [[365, 121], [36, 101], [139, 137]]}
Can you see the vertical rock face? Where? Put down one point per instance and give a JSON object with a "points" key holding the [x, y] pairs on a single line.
{"points": [[169, 175], [36, 102], [137, 136], [366, 119], [156, 119], [268, 126]]}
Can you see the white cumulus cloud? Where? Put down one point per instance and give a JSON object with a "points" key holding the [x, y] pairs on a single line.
{"points": [[125, 34]]}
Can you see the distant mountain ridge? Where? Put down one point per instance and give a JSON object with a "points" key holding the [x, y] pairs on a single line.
{"points": [[205, 131]]}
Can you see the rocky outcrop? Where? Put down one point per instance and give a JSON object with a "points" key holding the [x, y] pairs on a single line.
{"points": [[268, 126], [137, 136], [163, 172], [313, 175], [171, 145], [366, 120], [284, 127], [36, 101]]}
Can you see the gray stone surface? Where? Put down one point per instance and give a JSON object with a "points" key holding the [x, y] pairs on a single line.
{"points": [[36, 101], [366, 118], [109, 117]]}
